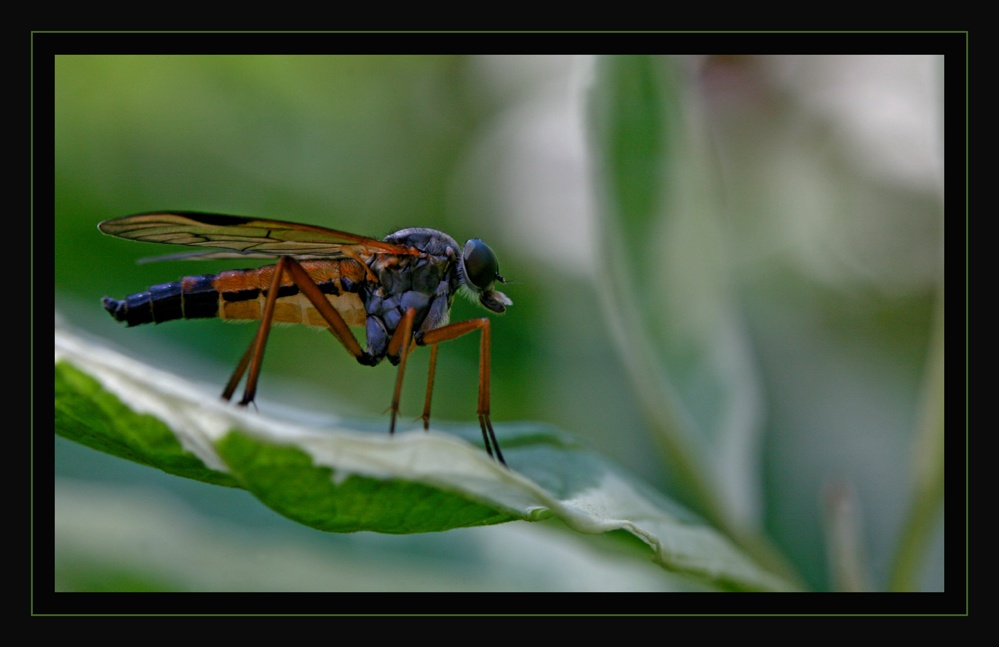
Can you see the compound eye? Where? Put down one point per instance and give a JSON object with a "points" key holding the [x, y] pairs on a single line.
{"points": [[481, 266]]}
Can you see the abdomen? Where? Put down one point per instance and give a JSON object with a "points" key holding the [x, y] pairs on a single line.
{"points": [[240, 295]]}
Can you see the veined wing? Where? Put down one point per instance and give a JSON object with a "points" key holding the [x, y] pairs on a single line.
{"points": [[245, 237]]}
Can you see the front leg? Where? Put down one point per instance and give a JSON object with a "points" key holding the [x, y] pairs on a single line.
{"points": [[453, 331]]}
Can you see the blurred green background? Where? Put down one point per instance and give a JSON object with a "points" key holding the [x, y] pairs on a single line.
{"points": [[829, 181]]}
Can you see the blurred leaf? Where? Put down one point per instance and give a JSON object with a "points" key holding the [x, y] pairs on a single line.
{"points": [[335, 478], [667, 289], [927, 502]]}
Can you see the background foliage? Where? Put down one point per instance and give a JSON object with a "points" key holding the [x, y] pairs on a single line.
{"points": [[727, 278]]}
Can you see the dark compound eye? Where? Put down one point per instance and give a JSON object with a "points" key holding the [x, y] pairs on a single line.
{"points": [[481, 266]]}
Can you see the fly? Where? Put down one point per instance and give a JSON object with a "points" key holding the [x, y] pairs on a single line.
{"points": [[400, 290]]}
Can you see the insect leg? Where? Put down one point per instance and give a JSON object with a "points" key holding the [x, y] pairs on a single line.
{"points": [[254, 355], [430, 386], [237, 375], [453, 331], [400, 344]]}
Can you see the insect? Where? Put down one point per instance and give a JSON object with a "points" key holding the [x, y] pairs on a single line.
{"points": [[400, 290]]}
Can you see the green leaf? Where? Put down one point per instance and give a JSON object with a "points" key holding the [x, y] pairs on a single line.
{"points": [[285, 479], [90, 415], [337, 477]]}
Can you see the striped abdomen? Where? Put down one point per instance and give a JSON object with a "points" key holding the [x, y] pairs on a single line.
{"points": [[240, 294]]}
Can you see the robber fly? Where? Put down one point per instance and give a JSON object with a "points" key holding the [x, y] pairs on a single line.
{"points": [[399, 289]]}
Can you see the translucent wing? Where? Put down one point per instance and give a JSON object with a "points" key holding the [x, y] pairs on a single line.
{"points": [[245, 237]]}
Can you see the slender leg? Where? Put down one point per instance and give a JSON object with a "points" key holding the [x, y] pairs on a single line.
{"points": [[237, 375], [254, 356], [401, 344], [430, 387], [453, 331]]}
